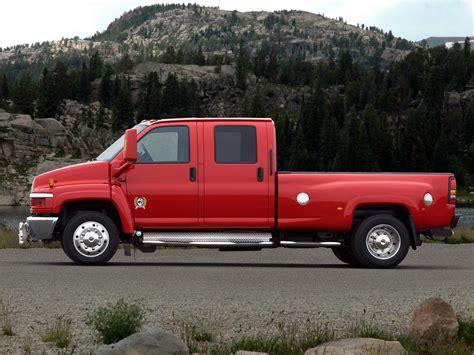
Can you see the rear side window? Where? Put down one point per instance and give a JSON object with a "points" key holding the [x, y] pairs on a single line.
{"points": [[235, 144], [165, 145]]}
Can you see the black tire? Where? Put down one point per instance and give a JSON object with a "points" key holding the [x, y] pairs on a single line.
{"points": [[104, 227], [345, 255], [393, 246]]}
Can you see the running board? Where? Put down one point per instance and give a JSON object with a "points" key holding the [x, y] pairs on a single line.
{"points": [[212, 239], [293, 244]]}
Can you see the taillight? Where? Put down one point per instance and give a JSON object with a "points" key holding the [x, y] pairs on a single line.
{"points": [[452, 190]]}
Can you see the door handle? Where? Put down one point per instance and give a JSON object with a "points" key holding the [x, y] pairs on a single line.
{"points": [[259, 174], [192, 174]]}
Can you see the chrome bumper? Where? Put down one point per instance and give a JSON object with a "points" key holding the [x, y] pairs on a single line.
{"points": [[36, 228]]}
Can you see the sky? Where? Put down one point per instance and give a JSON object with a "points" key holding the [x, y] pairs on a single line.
{"points": [[30, 21]]}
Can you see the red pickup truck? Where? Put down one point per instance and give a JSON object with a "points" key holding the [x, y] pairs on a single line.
{"points": [[214, 183]]}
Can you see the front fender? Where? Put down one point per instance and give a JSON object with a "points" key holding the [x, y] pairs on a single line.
{"points": [[121, 204], [71, 193]]}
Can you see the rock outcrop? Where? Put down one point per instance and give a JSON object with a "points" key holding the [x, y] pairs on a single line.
{"points": [[152, 342], [29, 147], [358, 346], [434, 322]]}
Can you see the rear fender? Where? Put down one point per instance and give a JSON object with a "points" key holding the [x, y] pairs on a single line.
{"points": [[410, 206]]}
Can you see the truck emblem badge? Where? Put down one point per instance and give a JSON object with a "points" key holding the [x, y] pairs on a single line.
{"points": [[140, 202]]}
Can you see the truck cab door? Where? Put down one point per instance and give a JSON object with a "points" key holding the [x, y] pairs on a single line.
{"points": [[236, 175], [162, 186]]}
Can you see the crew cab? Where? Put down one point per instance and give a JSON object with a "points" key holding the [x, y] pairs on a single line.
{"points": [[214, 183]]}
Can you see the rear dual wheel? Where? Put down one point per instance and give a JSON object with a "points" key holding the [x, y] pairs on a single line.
{"points": [[380, 241], [90, 238]]}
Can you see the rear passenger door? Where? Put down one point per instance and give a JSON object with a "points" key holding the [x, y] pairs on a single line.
{"points": [[236, 179]]}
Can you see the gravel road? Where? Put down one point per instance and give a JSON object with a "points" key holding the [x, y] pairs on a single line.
{"points": [[232, 293]]}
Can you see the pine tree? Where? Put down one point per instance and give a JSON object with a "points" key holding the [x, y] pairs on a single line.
{"points": [[328, 142], [347, 143], [150, 98], [272, 68], [169, 56], [96, 66], [54, 87], [241, 69], [105, 88], [123, 111], [440, 155], [257, 108], [4, 88], [24, 96], [85, 88], [199, 57], [171, 97]]}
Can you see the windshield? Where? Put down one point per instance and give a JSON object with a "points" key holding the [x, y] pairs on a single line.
{"points": [[117, 146]]}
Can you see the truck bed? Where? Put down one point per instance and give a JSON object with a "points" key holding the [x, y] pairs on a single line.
{"points": [[335, 196]]}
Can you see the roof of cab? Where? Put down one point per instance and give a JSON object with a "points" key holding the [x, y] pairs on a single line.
{"points": [[152, 122]]}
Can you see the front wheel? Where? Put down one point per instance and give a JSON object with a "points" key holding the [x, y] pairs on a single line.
{"points": [[380, 241], [90, 238]]}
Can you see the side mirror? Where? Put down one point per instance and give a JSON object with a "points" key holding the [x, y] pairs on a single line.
{"points": [[130, 146]]}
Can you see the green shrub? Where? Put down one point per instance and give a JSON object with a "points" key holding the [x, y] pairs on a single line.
{"points": [[59, 333], [466, 330], [117, 321]]}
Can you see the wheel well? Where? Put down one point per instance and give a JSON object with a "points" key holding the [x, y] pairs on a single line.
{"points": [[396, 211], [70, 209]]}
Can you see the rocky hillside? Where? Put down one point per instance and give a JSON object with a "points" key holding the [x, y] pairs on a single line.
{"points": [[32, 146], [146, 32]]}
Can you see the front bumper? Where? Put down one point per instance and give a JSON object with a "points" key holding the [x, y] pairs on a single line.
{"points": [[36, 229]]}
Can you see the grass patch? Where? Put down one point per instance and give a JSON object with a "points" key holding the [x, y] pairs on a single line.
{"points": [[59, 333], [9, 240], [7, 325], [466, 330], [364, 329], [465, 196], [117, 321], [462, 235], [287, 340]]}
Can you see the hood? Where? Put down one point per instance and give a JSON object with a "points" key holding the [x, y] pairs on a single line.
{"points": [[85, 173]]}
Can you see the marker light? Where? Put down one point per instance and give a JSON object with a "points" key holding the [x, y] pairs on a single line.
{"points": [[428, 199], [51, 182]]}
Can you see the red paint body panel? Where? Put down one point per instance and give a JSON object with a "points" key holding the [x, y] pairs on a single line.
{"points": [[334, 198], [228, 196], [232, 195], [172, 199]]}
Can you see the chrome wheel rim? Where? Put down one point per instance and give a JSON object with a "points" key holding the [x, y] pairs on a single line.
{"points": [[383, 241], [91, 239]]}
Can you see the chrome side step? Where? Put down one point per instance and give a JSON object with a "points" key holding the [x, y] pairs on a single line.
{"points": [[293, 244], [213, 239]]}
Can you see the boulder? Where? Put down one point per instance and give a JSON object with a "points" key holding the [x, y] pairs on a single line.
{"points": [[24, 123], [434, 322], [152, 342], [358, 346], [51, 125], [5, 116]]}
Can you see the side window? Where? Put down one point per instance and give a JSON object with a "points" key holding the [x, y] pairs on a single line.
{"points": [[168, 144], [235, 144]]}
